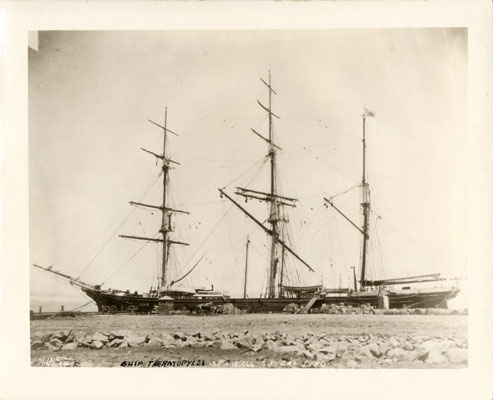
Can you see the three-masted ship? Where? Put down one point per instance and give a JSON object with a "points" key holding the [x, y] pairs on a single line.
{"points": [[111, 301], [278, 294]]}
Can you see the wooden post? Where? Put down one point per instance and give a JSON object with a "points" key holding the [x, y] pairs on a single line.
{"points": [[40, 310], [61, 308]]}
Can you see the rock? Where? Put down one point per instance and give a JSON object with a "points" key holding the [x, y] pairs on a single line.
{"points": [[70, 346], [316, 345], [246, 342], [435, 356], [287, 349], [396, 354], [371, 350], [328, 350], [123, 343], [56, 343], [134, 341], [383, 348], [447, 344], [115, 343], [256, 347], [227, 345], [49, 346], [97, 344], [191, 342], [306, 354], [393, 342], [457, 356], [271, 345], [120, 334], [37, 344], [430, 345], [61, 335], [180, 335], [99, 337], [155, 342], [414, 355], [325, 357], [168, 339], [387, 362]]}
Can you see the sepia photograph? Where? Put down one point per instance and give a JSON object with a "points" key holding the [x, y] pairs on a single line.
{"points": [[248, 198]]}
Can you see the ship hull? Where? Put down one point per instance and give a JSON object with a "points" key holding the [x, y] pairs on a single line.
{"points": [[127, 303]]}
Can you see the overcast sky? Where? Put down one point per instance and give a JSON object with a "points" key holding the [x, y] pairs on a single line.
{"points": [[91, 93]]}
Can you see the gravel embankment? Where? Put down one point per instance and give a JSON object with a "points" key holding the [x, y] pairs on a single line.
{"points": [[349, 341]]}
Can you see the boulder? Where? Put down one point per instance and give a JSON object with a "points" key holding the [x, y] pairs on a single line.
{"points": [[155, 341], [56, 342], [372, 350], [115, 343], [99, 337], [134, 341], [120, 334], [246, 342], [287, 349], [97, 344], [49, 346], [393, 342], [227, 345], [70, 346], [37, 344], [396, 354], [191, 342], [180, 335], [457, 356], [257, 347], [61, 335], [447, 344], [435, 356], [271, 345], [168, 339]]}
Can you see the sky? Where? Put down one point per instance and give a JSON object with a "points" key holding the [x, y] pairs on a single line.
{"points": [[91, 93]]}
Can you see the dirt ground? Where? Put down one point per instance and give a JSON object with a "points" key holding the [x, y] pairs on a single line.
{"points": [[336, 324], [393, 325]]}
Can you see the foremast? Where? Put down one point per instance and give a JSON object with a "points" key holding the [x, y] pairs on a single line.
{"points": [[275, 200], [166, 211]]}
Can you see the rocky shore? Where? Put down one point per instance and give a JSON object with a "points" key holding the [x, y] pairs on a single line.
{"points": [[309, 349]]}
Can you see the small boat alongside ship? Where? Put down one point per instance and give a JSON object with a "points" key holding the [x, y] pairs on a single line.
{"points": [[278, 292]]}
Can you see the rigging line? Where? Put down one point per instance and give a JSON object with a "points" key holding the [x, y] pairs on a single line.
{"points": [[228, 229], [408, 239], [119, 226], [378, 247], [209, 234], [130, 258], [261, 161], [345, 191], [83, 305], [130, 166]]}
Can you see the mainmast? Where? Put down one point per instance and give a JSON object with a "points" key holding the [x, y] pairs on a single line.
{"points": [[167, 212], [274, 206], [275, 200]]}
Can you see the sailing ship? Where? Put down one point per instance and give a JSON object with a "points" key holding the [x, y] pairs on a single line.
{"points": [[111, 301], [382, 292], [278, 294]]}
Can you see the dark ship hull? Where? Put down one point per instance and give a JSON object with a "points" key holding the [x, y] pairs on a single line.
{"points": [[122, 302]]}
